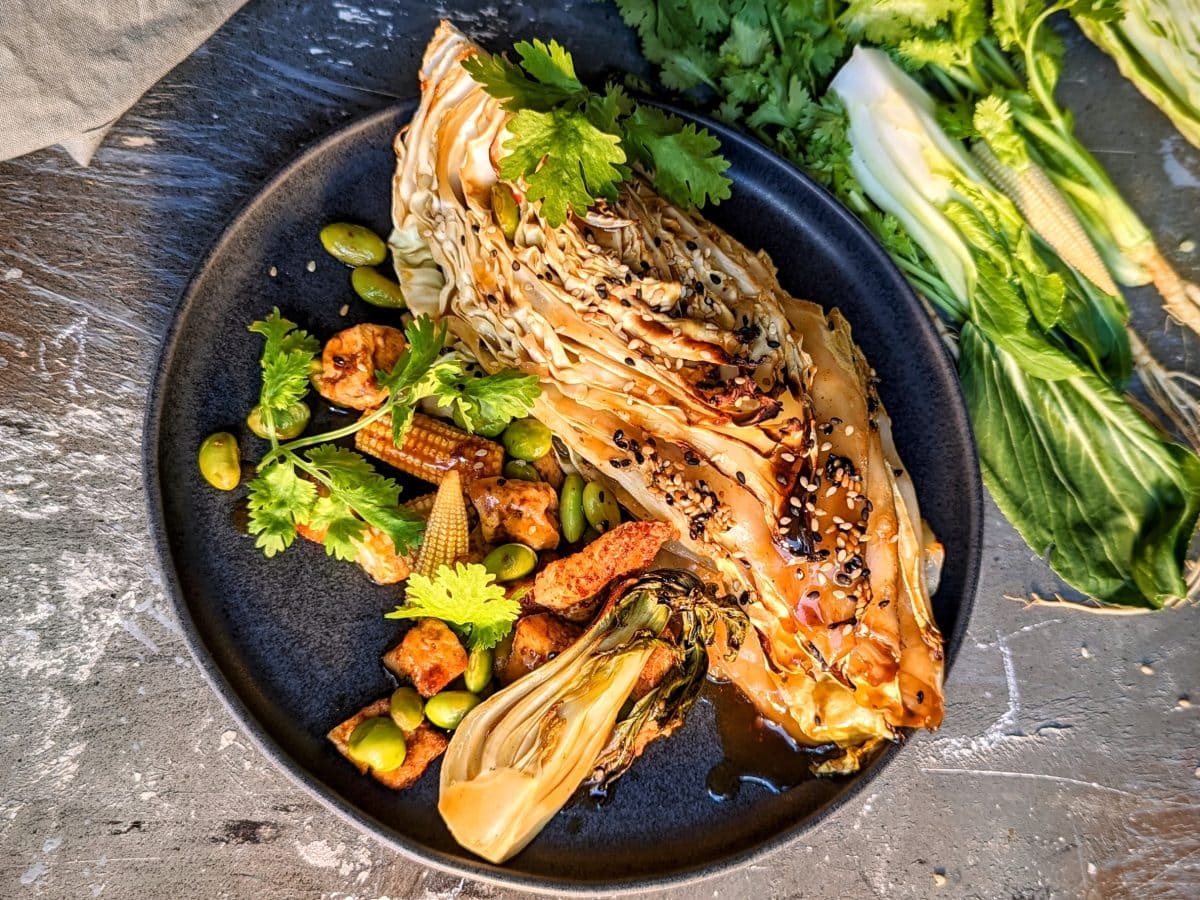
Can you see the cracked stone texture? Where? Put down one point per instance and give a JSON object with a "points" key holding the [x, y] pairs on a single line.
{"points": [[1068, 763]]}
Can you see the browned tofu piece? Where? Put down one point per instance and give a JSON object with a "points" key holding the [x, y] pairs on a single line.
{"points": [[661, 661], [537, 639], [514, 510], [571, 586], [550, 470], [425, 744], [430, 656]]}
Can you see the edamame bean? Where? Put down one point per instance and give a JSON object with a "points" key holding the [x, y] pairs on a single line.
{"points": [[600, 507], [219, 461], [490, 430], [570, 507], [449, 708], [479, 669], [378, 743], [353, 244], [376, 288], [527, 439], [505, 209], [508, 562], [289, 423], [520, 470], [407, 709]]}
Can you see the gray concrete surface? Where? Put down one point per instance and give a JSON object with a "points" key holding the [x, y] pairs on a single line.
{"points": [[1068, 763]]}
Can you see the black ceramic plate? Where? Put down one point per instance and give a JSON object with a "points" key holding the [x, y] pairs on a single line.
{"points": [[292, 645]]}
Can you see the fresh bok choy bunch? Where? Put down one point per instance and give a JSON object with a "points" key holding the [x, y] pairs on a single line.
{"points": [[1072, 465], [987, 73], [519, 756], [1156, 45]]}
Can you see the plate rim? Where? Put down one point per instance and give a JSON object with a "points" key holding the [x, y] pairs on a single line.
{"points": [[281, 758]]}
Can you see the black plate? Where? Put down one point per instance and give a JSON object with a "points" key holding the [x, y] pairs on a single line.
{"points": [[292, 645]]}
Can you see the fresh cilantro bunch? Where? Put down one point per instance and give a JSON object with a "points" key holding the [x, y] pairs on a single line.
{"points": [[313, 482], [572, 147], [465, 596]]}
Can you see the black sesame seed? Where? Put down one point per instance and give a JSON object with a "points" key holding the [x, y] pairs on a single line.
{"points": [[502, 482], [741, 477], [629, 278], [516, 265], [603, 496], [920, 696], [602, 292], [883, 604], [657, 241], [691, 245], [774, 345], [714, 278], [629, 361], [625, 303]]}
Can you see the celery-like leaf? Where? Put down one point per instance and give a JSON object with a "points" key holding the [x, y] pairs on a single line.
{"points": [[466, 596]]}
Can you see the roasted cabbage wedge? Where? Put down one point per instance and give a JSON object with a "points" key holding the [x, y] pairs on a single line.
{"points": [[674, 367], [520, 756]]}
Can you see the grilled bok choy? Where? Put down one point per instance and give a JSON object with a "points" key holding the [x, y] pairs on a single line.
{"points": [[679, 374], [1071, 464], [517, 758], [1156, 45]]}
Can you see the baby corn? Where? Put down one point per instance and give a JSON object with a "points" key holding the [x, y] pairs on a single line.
{"points": [[431, 449], [1047, 212], [446, 535]]}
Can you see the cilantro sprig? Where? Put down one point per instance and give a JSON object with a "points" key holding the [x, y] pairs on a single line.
{"points": [[310, 481], [466, 597], [572, 147]]}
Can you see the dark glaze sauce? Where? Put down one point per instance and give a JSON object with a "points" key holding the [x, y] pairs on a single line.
{"points": [[755, 751]]}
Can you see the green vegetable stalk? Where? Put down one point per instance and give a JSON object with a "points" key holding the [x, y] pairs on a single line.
{"points": [[1156, 45]]}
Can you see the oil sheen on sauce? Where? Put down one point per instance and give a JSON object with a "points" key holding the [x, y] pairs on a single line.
{"points": [[754, 750]]}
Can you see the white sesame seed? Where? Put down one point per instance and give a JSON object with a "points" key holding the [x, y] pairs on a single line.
{"points": [[273, 271], [345, 308], [481, 452], [478, 467], [826, 447], [311, 265], [787, 457]]}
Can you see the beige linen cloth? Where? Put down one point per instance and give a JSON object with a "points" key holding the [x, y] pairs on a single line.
{"points": [[70, 68]]}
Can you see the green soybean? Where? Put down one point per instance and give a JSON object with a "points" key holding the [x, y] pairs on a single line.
{"points": [[219, 461], [488, 429], [376, 288], [479, 669], [505, 209], [377, 742], [289, 423], [449, 708], [406, 708], [527, 439], [520, 470], [508, 562], [353, 244], [600, 507], [570, 507]]}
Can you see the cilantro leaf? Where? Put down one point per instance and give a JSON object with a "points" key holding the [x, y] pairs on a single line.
{"points": [[549, 64], [489, 403], [341, 528], [465, 596], [287, 356], [565, 160], [569, 146], [278, 499], [681, 159], [356, 487]]}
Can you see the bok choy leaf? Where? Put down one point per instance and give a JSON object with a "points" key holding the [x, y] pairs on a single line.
{"points": [[1083, 476], [519, 756]]}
